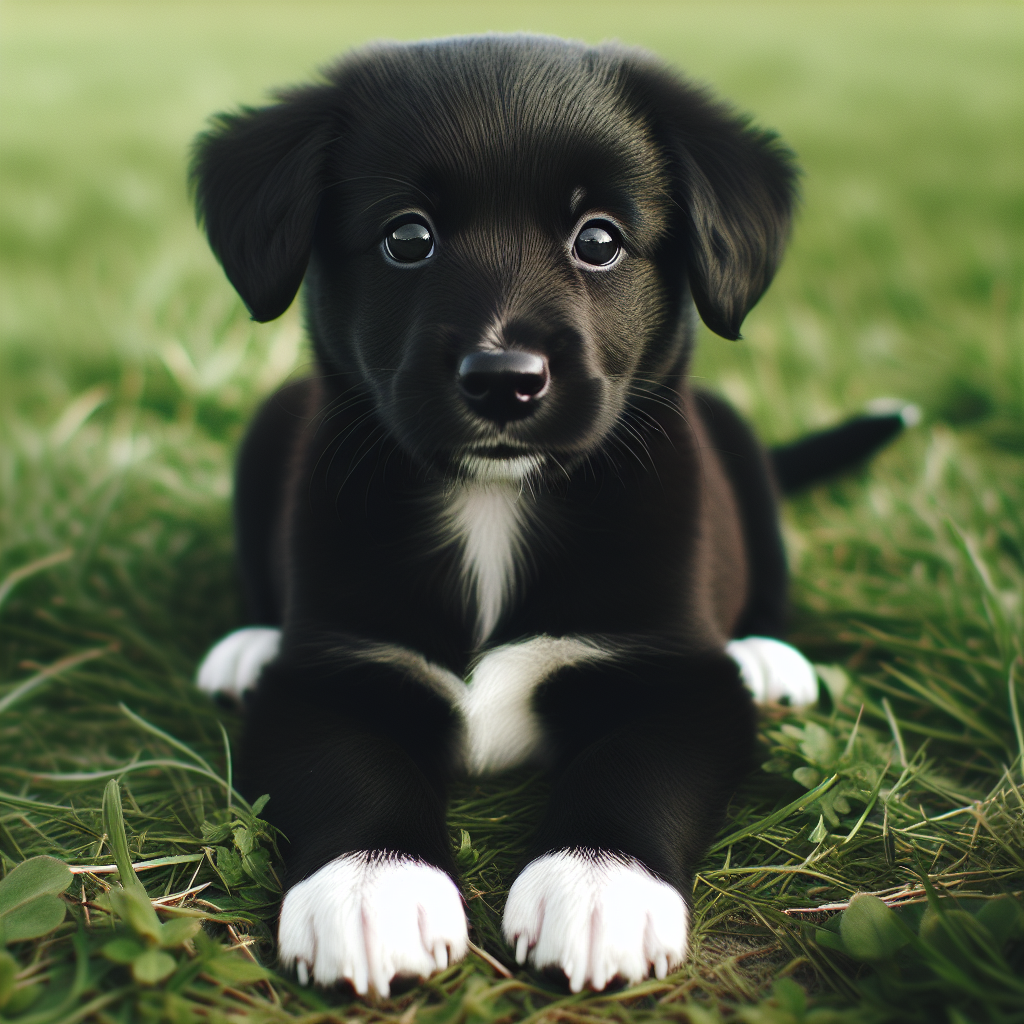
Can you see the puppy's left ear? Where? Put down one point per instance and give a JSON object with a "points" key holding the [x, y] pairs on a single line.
{"points": [[257, 176], [736, 186]]}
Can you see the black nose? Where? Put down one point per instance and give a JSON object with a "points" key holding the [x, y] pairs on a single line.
{"points": [[503, 385]]}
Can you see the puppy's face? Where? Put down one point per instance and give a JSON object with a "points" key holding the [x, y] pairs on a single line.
{"points": [[502, 236], [476, 224]]}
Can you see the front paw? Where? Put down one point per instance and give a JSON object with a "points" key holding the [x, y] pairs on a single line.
{"points": [[597, 916], [366, 917]]}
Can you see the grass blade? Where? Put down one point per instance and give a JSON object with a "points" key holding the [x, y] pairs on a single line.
{"points": [[51, 671], [780, 815], [166, 737], [12, 579], [113, 825]]}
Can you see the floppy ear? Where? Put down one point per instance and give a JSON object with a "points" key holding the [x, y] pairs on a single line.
{"points": [[257, 176], [736, 186]]}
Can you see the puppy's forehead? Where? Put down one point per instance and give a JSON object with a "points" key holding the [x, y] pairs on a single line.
{"points": [[520, 123]]}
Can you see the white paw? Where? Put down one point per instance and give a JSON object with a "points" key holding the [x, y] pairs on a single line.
{"points": [[772, 670], [367, 917], [234, 663], [597, 916]]}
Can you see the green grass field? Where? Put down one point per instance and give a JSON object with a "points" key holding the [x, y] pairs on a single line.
{"points": [[128, 370]]}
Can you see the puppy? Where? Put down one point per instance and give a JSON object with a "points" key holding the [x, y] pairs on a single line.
{"points": [[498, 526]]}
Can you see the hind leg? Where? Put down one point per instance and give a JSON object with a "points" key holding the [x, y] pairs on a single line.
{"points": [[261, 479], [747, 467], [234, 663], [771, 670]]}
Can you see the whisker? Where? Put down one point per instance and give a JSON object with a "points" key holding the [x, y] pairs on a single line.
{"points": [[358, 462], [334, 446]]}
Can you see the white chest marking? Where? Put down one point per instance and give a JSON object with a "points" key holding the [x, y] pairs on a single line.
{"points": [[488, 520]]}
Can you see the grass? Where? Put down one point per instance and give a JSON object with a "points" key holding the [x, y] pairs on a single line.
{"points": [[128, 370]]}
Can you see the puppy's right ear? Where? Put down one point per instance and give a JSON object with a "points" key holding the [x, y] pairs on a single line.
{"points": [[257, 176]]}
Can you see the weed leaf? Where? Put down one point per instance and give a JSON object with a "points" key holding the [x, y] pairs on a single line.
{"points": [[152, 966], [123, 950], [180, 930], [30, 904], [1004, 920], [870, 930], [233, 968], [134, 908], [8, 969]]}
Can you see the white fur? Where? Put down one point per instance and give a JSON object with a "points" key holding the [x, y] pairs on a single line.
{"points": [[501, 729], [515, 469], [596, 916], [367, 918], [488, 519], [909, 413], [772, 670], [235, 662], [444, 683]]}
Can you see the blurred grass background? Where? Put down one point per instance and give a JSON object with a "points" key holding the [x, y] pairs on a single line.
{"points": [[128, 370]]}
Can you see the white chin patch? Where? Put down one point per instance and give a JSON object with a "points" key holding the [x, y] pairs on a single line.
{"points": [[366, 918], [772, 670], [234, 663], [597, 917], [513, 470]]}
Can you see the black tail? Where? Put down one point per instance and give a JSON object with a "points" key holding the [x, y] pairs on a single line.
{"points": [[818, 456]]}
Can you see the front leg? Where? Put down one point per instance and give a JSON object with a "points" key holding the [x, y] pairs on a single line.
{"points": [[650, 744], [354, 742]]}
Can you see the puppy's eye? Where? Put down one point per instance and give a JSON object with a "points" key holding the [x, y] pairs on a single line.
{"points": [[409, 242], [598, 243]]}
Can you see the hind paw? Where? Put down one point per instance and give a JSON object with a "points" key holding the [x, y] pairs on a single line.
{"points": [[772, 670], [233, 665]]}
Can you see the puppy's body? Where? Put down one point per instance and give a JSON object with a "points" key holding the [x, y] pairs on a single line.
{"points": [[354, 729], [498, 526]]}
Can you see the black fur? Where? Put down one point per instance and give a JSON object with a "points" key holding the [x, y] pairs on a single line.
{"points": [[823, 454], [653, 522]]}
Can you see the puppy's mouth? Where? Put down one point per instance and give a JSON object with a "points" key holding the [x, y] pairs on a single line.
{"points": [[501, 451], [500, 462]]}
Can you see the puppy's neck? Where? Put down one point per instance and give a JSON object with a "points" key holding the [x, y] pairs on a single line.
{"points": [[488, 519]]}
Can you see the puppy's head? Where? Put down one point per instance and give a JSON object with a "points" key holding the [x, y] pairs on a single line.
{"points": [[502, 238]]}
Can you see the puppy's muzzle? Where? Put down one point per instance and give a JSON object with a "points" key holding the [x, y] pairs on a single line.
{"points": [[503, 386]]}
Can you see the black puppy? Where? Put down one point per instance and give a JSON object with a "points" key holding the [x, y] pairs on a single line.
{"points": [[498, 525]]}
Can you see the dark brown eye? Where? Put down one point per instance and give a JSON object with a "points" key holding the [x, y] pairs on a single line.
{"points": [[598, 244], [410, 242]]}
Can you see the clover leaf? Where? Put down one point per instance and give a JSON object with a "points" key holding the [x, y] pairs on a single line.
{"points": [[870, 930], [30, 903]]}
